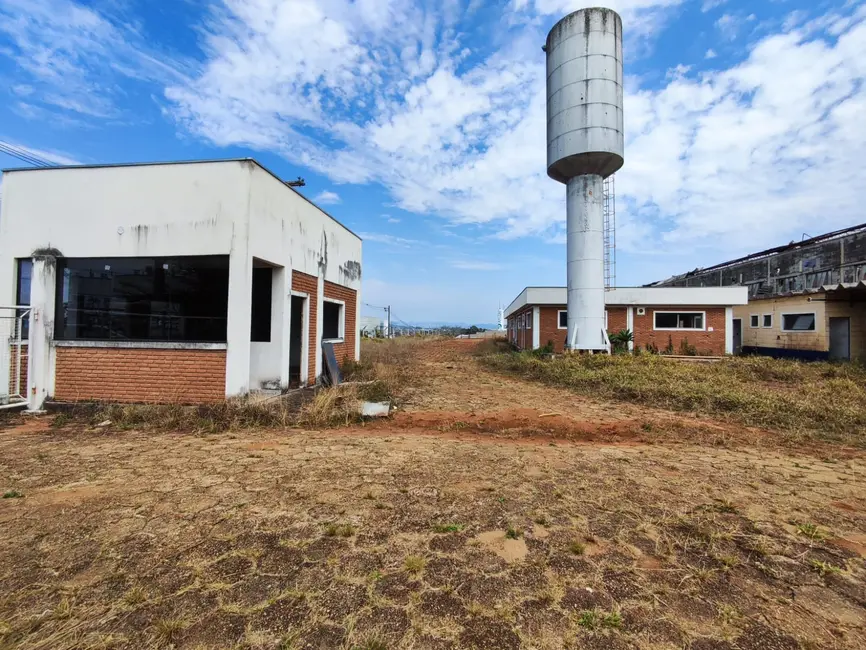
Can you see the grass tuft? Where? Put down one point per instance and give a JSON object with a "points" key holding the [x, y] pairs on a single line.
{"points": [[414, 563], [447, 528], [339, 530], [13, 494], [577, 547], [816, 399]]}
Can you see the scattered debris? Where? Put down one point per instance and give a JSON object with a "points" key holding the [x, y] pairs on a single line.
{"points": [[375, 409], [105, 423]]}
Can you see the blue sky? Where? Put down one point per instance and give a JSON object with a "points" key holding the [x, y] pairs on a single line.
{"points": [[421, 125]]}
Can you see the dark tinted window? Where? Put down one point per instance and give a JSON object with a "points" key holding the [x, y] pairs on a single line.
{"points": [[563, 319], [22, 292], [683, 320], [798, 322], [143, 298]]}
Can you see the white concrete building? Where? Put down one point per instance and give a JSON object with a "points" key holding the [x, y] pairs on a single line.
{"points": [[188, 281]]}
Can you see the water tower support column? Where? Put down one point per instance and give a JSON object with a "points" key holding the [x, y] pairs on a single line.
{"points": [[585, 248]]}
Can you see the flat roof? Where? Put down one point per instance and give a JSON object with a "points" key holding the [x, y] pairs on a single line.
{"points": [[643, 296], [184, 162]]}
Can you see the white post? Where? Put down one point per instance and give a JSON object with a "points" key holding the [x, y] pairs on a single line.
{"points": [[239, 320], [358, 322], [629, 323], [281, 318], [43, 280], [320, 300], [729, 330], [536, 327]]}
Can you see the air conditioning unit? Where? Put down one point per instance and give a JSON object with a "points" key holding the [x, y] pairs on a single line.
{"points": [[641, 311]]}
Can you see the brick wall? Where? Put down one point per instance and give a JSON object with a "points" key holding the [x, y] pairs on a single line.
{"points": [[617, 319], [13, 368], [309, 284], [345, 350], [140, 375], [549, 330], [705, 341]]}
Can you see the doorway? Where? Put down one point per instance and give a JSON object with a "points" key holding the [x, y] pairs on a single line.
{"points": [[840, 338], [738, 336], [297, 367]]}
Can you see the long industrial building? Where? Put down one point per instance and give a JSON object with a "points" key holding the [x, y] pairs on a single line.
{"points": [[807, 299], [170, 282]]}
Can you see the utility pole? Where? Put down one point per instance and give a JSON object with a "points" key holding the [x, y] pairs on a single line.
{"points": [[388, 322]]}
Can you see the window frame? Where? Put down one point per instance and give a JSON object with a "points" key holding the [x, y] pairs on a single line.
{"points": [[341, 323], [25, 322], [764, 318], [559, 320], [813, 314], [754, 321], [703, 327]]}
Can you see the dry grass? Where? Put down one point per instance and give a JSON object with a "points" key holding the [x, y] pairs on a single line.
{"points": [[386, 371], [822, 400]]}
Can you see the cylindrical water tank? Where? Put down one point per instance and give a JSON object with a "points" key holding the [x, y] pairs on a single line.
{"points": [[584, 95]]}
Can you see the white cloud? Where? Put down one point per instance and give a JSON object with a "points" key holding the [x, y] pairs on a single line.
{"points": [[709, 5], [327, 198], [388, 240], [711, 54], [475, 265], [709, 156], [70, 57]]}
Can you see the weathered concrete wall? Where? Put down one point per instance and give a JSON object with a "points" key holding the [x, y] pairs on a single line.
{"points": [[773, 337]]}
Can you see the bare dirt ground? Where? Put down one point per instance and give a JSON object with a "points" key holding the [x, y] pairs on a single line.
{"points": [[489, 513]]}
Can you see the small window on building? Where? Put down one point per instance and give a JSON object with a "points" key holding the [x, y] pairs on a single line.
{"points": [[798, 322], [563, 319], [528, 317], [685, 320], [22, 292], [754, 320], [768, 320], [332, 320]]}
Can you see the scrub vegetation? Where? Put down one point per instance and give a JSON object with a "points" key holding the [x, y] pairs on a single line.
{"points": [[488, 512], [821, 400]]}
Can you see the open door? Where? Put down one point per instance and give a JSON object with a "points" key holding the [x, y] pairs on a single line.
{"points": [[738, 336], [296, 341], [840, 338]]}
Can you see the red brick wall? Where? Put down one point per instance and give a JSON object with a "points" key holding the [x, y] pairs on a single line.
{"points": [[617, 318], [140, 375], [548, 321], [13, 366], [309, 284], [345, 350], [706, 341]]}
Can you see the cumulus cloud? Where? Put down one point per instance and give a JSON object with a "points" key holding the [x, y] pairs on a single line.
{"points": [[454, 125], [709, 155], [327, 198]]}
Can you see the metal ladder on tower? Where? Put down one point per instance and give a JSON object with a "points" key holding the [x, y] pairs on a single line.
{"points": [[609, 197]]}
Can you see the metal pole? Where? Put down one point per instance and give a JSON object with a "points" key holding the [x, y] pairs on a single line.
{"points": [[390, 334]]}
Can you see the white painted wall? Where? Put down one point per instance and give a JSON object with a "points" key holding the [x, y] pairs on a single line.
{"points": [[234, 208]]}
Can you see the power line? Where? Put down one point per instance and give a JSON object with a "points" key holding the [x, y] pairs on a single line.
{"points": [[24, 155]]}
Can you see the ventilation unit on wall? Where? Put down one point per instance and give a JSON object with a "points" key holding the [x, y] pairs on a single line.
{"points": [[641, 311]]}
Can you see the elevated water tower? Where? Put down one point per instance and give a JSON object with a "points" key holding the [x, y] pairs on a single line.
{"points": [[584, 146]]}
